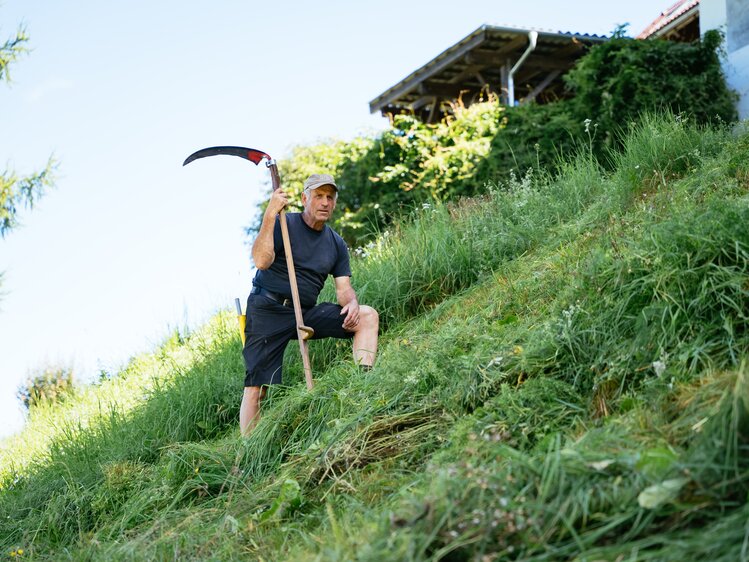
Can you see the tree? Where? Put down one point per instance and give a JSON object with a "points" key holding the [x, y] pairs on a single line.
{"points": [[17, 191]]}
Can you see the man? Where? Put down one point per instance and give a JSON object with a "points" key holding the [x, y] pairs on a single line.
{"points": [[318, 251]]}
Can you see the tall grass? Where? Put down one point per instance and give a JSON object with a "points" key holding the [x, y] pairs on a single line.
{"points": [[563, 373]]}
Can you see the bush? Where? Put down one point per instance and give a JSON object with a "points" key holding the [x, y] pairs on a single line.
{"points": [[50, 384], [531, 137], [622, 78]]}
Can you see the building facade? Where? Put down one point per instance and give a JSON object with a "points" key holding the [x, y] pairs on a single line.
{"points": [[732, 17]]}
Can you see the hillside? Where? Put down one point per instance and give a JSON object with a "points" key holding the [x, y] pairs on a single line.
{"points": [[563, 375]]}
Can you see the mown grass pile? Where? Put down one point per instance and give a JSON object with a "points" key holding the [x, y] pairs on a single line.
{"points": [[563, 374]]}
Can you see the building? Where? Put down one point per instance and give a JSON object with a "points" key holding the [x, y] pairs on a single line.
{"points": [[518, 65], [523, 65]]}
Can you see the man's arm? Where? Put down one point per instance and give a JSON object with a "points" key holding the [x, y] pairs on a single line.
{"points": [[346, 296], [263, 253]]}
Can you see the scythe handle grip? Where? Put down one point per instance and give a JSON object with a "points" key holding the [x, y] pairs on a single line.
{"points": [[274, 174]]}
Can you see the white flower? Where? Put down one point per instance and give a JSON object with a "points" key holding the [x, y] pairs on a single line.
{"points": [[495, 361], [659, 366]]}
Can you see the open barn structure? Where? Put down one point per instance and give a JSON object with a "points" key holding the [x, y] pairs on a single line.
{"points": [[514, 64]]}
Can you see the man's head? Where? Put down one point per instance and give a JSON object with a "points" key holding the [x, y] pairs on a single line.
{"points": [[319, 199], [318, 180]]}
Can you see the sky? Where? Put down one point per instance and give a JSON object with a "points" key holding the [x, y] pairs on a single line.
{"points": [[129, 245]]}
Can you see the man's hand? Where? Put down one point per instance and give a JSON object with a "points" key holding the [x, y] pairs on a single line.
{"points": [[347, 299], [277, 202], [351, 310]]}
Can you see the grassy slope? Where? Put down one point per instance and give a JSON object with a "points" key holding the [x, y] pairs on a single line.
{"points": [[562, 374]]}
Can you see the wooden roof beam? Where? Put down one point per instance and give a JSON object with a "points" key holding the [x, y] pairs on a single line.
{"points": [[423, 101], [549, 64], [541, 87], [487, 57], [441, 89], [471, 70]]}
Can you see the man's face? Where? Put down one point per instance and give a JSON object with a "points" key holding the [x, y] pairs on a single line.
{"points": [[319, 203]]}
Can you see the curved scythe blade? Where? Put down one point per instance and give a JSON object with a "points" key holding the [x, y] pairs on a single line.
{"points": [[254, 156]]}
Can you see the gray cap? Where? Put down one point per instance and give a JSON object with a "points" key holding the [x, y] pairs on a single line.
{"points": [[318, 180]]}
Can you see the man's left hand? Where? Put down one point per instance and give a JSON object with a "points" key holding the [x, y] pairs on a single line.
{"points": [[351, 310]]}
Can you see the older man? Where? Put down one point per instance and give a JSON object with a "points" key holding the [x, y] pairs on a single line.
{"points": [[318, 251]]}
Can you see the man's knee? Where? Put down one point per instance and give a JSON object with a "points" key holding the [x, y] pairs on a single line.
{"points": [[369, 316], [254, 393]]}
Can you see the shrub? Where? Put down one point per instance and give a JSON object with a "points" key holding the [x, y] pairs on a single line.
{"points": [[531, 137], [50, 384], [622, 78]]}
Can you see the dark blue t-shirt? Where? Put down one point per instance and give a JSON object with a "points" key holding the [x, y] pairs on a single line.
{"points": [[317, 254]]}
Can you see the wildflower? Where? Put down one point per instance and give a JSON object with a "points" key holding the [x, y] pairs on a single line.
{"points": [[659, 367], [517, 350], [587, 123], [495, 361], [569, 312]]}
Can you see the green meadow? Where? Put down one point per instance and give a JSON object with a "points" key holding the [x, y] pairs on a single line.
{"points": [[563, 375]]}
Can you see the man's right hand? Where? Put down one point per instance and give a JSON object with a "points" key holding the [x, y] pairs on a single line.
{"points": [[278, 201]]}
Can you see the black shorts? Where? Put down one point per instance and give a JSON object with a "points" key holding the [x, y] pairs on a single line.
{"points": [[271, 325]]}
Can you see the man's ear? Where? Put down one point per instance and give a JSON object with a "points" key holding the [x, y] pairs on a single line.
{"points": [[304, 199]]}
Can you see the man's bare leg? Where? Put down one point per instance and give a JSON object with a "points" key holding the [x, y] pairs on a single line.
{"points": [[365, 336], [249, 411]]}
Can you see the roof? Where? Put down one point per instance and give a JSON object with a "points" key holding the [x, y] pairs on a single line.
{"points": [[677, 15], [479, 62]]}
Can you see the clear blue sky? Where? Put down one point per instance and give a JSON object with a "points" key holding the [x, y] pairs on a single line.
{"points": [[130, 245]]}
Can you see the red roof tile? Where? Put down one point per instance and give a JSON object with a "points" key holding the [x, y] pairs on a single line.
{"points": [[668, 16]]}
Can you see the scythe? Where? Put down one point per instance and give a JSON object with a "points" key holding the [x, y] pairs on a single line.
{"points": [[256, 156]]}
